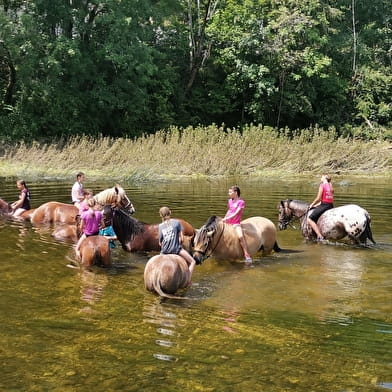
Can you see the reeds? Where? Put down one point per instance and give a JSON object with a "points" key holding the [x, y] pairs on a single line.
{"points": [[202, 151]]}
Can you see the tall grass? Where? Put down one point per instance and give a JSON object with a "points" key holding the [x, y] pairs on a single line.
{"points": [[209, 151]]}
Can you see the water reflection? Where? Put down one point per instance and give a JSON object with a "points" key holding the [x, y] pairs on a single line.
{"points": [[165, 321], [91, 287]]}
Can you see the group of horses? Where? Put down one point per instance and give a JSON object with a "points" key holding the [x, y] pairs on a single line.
{"points": [[166, 274]]}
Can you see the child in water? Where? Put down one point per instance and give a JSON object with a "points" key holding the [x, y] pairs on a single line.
{"points": [[23, 203], [107, 231], [90, 221]]}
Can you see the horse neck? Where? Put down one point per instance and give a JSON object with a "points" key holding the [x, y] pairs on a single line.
{"points": [[299, 208], [104, 197], [218, 235], [125, 226]]}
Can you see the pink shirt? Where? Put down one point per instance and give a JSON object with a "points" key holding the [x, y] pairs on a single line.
{"points": [[233, 205], [83, 206], [91, 221], [327, 194]]}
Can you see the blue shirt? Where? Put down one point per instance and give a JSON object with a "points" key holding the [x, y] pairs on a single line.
{"points": [[108, 232]]}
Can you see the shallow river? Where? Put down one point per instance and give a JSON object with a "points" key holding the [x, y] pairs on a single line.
{"points": [[317, 317]]}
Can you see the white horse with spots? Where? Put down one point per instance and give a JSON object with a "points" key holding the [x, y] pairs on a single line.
{"points": [[349, 220]]}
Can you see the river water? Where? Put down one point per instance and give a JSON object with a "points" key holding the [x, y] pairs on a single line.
{"points": [[317, 317]]}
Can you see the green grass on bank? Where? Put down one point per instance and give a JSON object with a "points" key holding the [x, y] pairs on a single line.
{"points": [[207, 151]]}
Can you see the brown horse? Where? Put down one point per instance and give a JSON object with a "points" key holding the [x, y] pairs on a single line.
{"points": [[136, 236], [95, 250], [116, 197], [220, 240], [5, 208], [164, 274], [56, 212], [66, 232]]}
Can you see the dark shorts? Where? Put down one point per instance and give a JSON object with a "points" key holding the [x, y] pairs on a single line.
{"points": [[319, 210], [89, 235]]}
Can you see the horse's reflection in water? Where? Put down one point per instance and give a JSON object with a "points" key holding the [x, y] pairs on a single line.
{"points": [[92, 285], [163, 318]]}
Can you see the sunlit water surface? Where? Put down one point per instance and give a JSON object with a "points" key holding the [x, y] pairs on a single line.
{"points": [[313, 318]]}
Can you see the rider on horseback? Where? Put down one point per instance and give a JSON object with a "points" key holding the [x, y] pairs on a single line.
{"points": [[323, 202]]}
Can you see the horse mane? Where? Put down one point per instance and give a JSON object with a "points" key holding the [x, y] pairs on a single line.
{"points": [[210, 225], [299, 204], [110, 195], [125, 226]]}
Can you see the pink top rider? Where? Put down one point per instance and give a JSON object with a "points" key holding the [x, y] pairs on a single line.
{"points": [[91, 221], [233, 205], [327, 192]]}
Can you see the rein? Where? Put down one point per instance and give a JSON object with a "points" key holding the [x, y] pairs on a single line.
{"points": [[204, 253], [303, 223]]}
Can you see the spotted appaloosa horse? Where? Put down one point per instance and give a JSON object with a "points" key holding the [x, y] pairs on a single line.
{"points": [[164, 274], [220, 240], [349, 220]]}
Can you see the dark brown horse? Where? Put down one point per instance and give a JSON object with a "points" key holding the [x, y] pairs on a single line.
{"points": [[349, 220], [136, 236], [164, 274], [220, 240], [95, 250]]}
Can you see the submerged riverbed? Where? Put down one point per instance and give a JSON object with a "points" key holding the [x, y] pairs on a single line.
{"points": [[313, 318]]}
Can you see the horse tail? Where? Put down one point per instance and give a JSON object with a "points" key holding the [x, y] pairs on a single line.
{"points": [[276, 247], [156, 282], [367, 233]]}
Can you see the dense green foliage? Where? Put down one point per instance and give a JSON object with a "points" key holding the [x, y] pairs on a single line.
{"points": [[131, 67]]}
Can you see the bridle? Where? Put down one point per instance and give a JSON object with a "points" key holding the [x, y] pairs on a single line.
{"points": [[203, 253], [286, 221]]}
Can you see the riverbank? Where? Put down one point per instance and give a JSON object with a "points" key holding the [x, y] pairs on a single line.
{"points": [[207, 152]]}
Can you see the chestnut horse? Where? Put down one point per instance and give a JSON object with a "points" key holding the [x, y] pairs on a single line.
{"points": [[136, 236], [95, 250], [348, 220], [56, 212], [164, 274], [5, 208], [220, 240]]}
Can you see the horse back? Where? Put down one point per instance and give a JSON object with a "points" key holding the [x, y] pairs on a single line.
{"points": [[55, 212], [187, 228], [165, 274], [95, 250], [349, 220], [260, 232]]}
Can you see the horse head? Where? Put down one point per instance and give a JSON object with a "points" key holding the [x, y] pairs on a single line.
{"points": [[116, 197], [124, 225], [285, 214], [203, 238], [5, 207]]}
